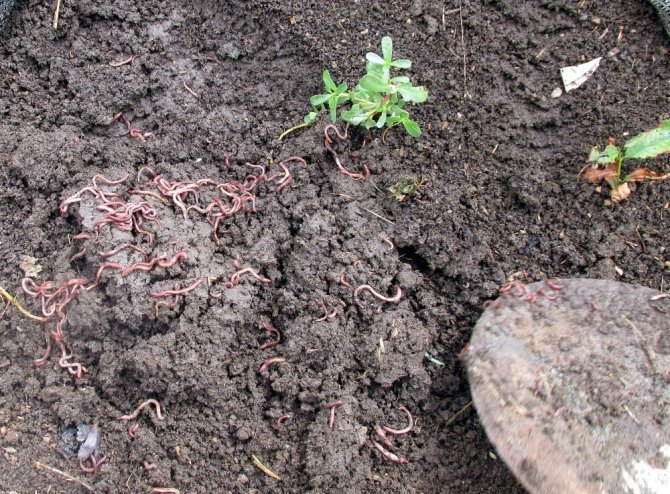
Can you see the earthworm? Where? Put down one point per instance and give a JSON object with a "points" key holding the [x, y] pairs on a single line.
{"points": [[388, 455], [382, 433], [96, 464], [269, 362], [343, 280], [132, 131], [325, 314], [390, 242], [107, 181], [164, 490], [395, 299], [110, 253], [235, 278], [271, 343], [554, 285], [107, 265], [129, 60], [332, 407], [281, 420], [78, 255], [522, 290], [82, 236], [149, 466], [343, 170], [147, 169], [132, 430], [398, 432], [161, 262], [168, 293], [141, 407]]}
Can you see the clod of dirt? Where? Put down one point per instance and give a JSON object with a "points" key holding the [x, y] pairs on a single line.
{"points": [[573, 390]]}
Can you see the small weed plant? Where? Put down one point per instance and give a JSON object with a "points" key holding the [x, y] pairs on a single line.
{"points": [[406, 187], [646, 145], [378, 100]]}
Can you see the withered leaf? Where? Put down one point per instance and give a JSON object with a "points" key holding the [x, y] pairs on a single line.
{"points": [[646, 174], [595, 175], [620, 193]]}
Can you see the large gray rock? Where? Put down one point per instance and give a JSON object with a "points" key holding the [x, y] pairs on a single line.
{"points": [[663, 7], [5, 7]]}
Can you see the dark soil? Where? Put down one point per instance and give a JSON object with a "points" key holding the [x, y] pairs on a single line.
{"points": [[501, 199]]}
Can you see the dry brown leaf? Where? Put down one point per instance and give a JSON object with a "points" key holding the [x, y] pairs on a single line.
{"points": [[620, 193], [29, 266], [595, 175], [646, 174]]}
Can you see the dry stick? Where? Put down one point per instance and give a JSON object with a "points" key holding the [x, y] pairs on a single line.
{"points": [[465, 66], [56, 15], [141, 407], [264, 469], [458, 414], [64, 475]]}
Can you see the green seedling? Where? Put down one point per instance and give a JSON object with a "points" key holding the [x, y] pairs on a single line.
{"points": [[406, 187], [378, 99], [646, 145]]}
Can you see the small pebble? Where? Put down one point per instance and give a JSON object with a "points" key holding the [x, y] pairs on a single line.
{"points": [[556, 92]]}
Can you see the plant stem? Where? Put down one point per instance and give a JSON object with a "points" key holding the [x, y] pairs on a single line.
{"points": [[4, 293], [296, 127]]}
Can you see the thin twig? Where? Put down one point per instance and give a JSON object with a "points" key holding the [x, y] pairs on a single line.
{"points": [[56, 14], [264, 469], [458, 414], [64, 475], [465, 65]]}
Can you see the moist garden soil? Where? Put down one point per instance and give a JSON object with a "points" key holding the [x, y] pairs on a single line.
{"points": [[499, 160]]}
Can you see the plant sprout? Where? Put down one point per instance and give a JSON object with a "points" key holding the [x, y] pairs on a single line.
{"points": [[645, 145], [378, 99]]}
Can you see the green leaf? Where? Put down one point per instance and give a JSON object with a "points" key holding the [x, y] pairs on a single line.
{"points": [[319, 99], [411, 127], [374, 58], [310, 117], [401, 64], [401, 79], [387, 49], [341, 88], [332, 104], [649, 144], [607, 155], [382, 120], [328, 81], [413, 93], [373, 84]]}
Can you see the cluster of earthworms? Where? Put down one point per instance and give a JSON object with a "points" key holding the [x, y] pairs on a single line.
{"points": [[54, 300], [383, 432], [518, 291], [132, 211]]}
